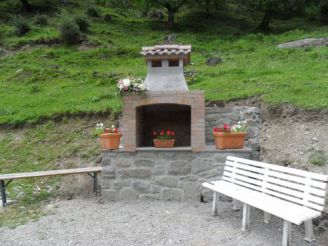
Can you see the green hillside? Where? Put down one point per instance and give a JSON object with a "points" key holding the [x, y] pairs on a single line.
{"points": [[41, 77]]}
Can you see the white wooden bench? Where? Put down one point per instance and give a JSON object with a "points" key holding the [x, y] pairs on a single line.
{"points": [[294, 195], [92, 171]]}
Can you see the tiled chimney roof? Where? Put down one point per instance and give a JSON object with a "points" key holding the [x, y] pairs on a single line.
{"points": [[166, 50]]}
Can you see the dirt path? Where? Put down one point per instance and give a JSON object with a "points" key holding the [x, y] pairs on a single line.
{"points": [[87, 222]]}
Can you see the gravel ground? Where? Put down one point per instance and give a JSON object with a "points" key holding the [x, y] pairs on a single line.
{"points": [[87, 222]]}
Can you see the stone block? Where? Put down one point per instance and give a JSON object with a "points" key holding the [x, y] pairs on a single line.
{"points": [[123, 162], [145, 162], [167, 181], [139, 173], [189, 178], [109, 195], [191, 191], [171, 194], [105, 161], [154, 189], [149, 196], [158, 170], [141, 186], [201, 164], [128, 194], [179, 167]]}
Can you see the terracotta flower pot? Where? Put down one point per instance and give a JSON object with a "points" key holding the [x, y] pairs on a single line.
{"points": [[167, 143], [110, 140], [233, 140]]}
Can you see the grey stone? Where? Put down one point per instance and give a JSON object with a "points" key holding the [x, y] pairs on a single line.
{"points": [[200, 164], [179, 167], [141, 186], [108, 172], [123, 162], [138, 173], [167, 155], [109, 195], [213, 61], [191, 191], [159, 170], [155, 189], [128, 194], [117, 184], [168, 181], [171, 194], [144, 162], [105, 184], [105, 161], [189, 178], [147, 154], [308, 42], [149, 197]]}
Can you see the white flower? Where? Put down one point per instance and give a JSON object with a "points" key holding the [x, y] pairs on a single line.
{"points": [[142, 87], [126, 82]]}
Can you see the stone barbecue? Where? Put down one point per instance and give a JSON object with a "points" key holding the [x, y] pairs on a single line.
{"points": [[168, 104], [138, 170]]}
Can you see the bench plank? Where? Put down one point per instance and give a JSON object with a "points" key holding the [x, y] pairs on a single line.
{"points": [[11, 176]]}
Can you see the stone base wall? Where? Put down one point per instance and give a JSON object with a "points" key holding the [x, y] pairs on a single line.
{"points": [[174, 174]]}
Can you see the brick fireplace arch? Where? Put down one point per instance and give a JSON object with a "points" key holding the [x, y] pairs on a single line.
{"points": [[188, 106]]}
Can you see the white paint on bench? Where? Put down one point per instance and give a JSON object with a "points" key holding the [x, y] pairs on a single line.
{"points": [[294, 195]]}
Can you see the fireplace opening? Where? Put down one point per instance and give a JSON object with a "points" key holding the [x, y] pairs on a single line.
{"points": [[150, 118]]}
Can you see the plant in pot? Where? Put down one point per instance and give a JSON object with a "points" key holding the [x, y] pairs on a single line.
{"points": [[230, 137], [164, 138], [131, 84], [109, 138]]}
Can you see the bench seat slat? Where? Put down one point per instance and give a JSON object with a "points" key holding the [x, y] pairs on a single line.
{"points": [[49, 173], [288, 211]]}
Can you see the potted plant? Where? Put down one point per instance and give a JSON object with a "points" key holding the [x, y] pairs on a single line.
{"points": [[230, 137], [164, 138], [109, 138]]}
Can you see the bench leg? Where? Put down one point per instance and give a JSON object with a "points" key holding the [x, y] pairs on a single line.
{"points": [[95, 184], [246, 215], [287, 231], [308, 231], [3, 193], [215, 203], [267, 217], [236, 205]]}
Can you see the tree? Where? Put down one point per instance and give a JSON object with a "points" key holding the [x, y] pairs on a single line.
{"points": [[27, 6], [324, 11], [172, 7]]}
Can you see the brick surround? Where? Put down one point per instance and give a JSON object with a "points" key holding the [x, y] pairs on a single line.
{"points": [[193, 99]]}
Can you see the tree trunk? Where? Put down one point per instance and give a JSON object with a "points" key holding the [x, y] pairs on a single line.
{"points": [[170, 17], [27, 6], [207, 8], [265, 23]]}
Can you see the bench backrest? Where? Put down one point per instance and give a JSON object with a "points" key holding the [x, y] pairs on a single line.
{"points": [[293, 185]]}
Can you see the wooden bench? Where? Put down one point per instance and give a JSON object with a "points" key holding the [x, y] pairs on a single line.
{"points": [[92, 171], [294, 195]]}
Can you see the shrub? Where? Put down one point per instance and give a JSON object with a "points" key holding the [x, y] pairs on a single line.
{"points": [[318, 157], [93, 12], [82, 23], [41, 20], [324, 12], [70, 32], [21, 27], [108, 17]]}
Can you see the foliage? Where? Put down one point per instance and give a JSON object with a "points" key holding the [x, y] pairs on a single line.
{"points": [[82, 22], [93, 11], [318, 157], [241, 126], [21, 26], [323, 11], [100, 129], [131, 84], [41, 20], [70, 32], [164, 134]]}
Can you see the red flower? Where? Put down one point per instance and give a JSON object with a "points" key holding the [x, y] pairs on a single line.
{"points": [[161, 133], [226, 128], [172, 133], [217, 129], [168, 132], [154, 133]]}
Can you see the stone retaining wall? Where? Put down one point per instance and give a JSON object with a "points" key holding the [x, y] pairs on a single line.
{"points": [[174, 174], [215, 116]]}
